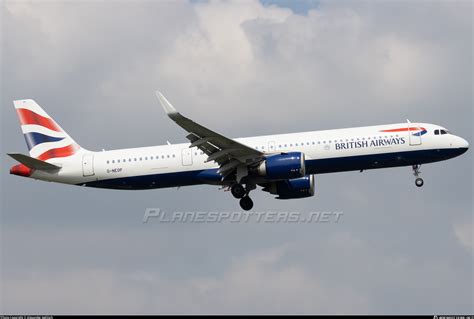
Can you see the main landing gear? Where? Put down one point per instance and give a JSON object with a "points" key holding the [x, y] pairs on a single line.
{"points": [[246, 203], [416, 171], [238, 191]]}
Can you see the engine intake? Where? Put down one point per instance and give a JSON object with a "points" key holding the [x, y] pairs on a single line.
{"points": [[283, 166]]}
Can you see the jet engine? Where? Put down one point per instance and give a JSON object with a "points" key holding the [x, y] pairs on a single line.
{"points": [[283, 166], [292, 188]]}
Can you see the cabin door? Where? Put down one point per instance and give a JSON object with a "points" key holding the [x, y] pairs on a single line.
{"points": [[187, 156], [414, 134], [88, 165]]}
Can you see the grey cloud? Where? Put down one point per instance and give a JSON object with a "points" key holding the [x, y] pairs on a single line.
{"points": [[243, 69]]}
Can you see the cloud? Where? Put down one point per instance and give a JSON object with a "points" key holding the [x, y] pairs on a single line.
{"points": [[239, 57], [242, 68], [463, 232], [258, 281], [138, 272]]}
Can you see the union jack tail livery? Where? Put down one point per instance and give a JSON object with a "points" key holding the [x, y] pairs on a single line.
{"points": [[44, 137]]}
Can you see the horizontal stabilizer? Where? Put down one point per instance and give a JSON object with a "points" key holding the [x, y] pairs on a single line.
{"points": [[33, 163]]}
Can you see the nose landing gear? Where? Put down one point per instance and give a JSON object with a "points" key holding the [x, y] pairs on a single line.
{"points": [[416, 171], [419, 182]]}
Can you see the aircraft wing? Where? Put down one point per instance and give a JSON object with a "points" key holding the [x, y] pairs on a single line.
{"points": [[225, 151]]}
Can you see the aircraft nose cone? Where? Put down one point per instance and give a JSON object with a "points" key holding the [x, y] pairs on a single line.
{"points": [[462, 145]]}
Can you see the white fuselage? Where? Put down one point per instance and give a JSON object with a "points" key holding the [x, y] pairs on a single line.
{"points": [[326, 151]]}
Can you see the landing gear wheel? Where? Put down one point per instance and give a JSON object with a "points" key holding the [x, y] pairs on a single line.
{"points": [[419, 182], [416, 171], [246, 203], [237, 190]]}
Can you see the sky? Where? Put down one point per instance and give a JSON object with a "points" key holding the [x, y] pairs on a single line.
{"points": [[242, 68]]}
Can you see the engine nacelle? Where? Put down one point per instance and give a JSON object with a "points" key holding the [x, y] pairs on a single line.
{"points": [[283, 166], [293, 188]]}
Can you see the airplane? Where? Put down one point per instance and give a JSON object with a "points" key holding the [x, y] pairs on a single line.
{"points": [[284, 165]]}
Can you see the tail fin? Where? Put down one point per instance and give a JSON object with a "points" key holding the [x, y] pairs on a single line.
{"points": [[44, 137]]}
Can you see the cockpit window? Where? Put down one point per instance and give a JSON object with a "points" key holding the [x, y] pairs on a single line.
{"points": [[441, 132]]}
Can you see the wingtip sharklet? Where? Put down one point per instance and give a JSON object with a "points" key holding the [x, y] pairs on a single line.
{"points": [[169, 109]]}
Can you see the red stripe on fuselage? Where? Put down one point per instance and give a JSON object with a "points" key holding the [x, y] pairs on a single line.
{"points": [[59, 152], [29, 117], [404, 129]]}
